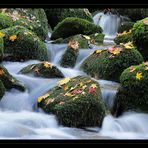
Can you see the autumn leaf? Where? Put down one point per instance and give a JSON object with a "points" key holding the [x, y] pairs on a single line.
{"points": [[114, 50], [13, 38], [98, 51], [66, 87], [93, 86], [2, 34], [68, 95], [86, 37], [132, 68], [47, 65], [1, 72], [64, 81], [78, 91], [73, 44], [92, 90], [40, 99], [61, 103], [50, 101], [138, 75], [129, 45], [145, 22]]}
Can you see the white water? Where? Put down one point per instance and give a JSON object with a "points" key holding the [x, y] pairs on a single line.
{"points": [[21, 119], [109, 23]]}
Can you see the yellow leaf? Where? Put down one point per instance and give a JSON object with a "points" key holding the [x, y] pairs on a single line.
{"points": [[50, 101], [93, 85], [85, 86], [129, 45], [2, 34], [86, 37], [64, 81], [40, 99], [13, 38], [81, 84], [139, 75], [68, 94], [66, 88], [98, 51], [47, 65]]}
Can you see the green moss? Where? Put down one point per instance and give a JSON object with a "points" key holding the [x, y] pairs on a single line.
{"points": [[108, 65], [132, 94], [2, 89], [26, 45], [5, 21], [9, 81], [123, 39], [125, 26], [44, 69], [140, 37], [33, 19], [83, 40], [56, 15], [74, 104], [72, 26], [1, 48], [69, 58]]}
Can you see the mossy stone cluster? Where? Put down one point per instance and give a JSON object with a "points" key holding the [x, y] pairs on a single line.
{"points": [[125, 26], [33, 19], [56, 15], [22, 44], [44, 69], [83, 40], [109, 64], [9, 81], [72, 26], [69, 58], [76, 102], [124, 38], [140, 36], [132, 95]]}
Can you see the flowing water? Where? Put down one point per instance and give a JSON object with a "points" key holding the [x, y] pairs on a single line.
{"points": [[21, 119]]}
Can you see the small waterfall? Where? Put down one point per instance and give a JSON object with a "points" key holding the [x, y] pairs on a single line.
{"points": [[55, 52], [109, 90], [130, 125], [109, 23]]}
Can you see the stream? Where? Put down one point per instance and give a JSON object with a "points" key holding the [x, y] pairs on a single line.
{"points": [[21, 119]]}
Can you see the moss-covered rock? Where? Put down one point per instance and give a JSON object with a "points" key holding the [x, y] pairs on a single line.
{"points": [[69, 58], [132, 95], [56, 15], [125, 26], [83, 40], [72, 26], [124, 37], [2, 89], [9, 81], [33, 19], [5, 21], [76, 102], [140, 36], [44, 69], [1, 46], [109, 64], [134, 14], [22, 44]]}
